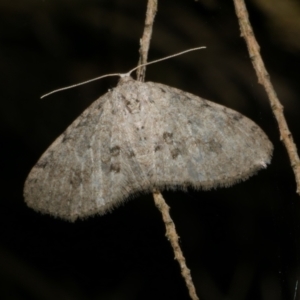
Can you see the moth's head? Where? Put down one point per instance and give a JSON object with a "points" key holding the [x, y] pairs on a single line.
{"points": [[125, 78]]}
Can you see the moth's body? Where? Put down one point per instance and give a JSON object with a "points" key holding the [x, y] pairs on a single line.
{"points": [[139, 137]]}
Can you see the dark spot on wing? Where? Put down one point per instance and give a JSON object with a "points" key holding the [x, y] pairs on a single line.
{"points": [[214, 146], [254, 128], [66, 138], [175, 152], [168, 137], [115, 151], [115, 167], [157, 148], [131, 154], [236, 116], [76, 178], [42, 163]]}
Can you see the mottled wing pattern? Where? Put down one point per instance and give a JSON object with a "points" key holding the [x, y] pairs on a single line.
{"points": [[138, 137], [203, 144], [70, 172]]}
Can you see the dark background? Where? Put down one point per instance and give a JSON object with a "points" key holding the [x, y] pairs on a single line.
{"points": [[240, 243]]}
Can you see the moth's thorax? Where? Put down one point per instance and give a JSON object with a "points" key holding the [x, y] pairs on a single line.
{"points": [[131, 95]]}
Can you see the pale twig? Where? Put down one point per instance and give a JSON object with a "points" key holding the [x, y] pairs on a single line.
{"points": [[158, 198], [173, 238], [264, 79], [145, 40]]}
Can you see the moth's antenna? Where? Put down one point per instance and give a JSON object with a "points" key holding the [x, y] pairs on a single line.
{"points": [[78, 84], [121, 75], [165, 58]]}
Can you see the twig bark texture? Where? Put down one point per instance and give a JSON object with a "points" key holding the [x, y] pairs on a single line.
{"points": [[264, 79], [145, 40], [173, 237]]}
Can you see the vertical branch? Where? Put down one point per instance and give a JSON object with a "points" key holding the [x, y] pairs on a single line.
{"points": [[145, 40], [264, 79], [173, 237], [158, 198]]}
